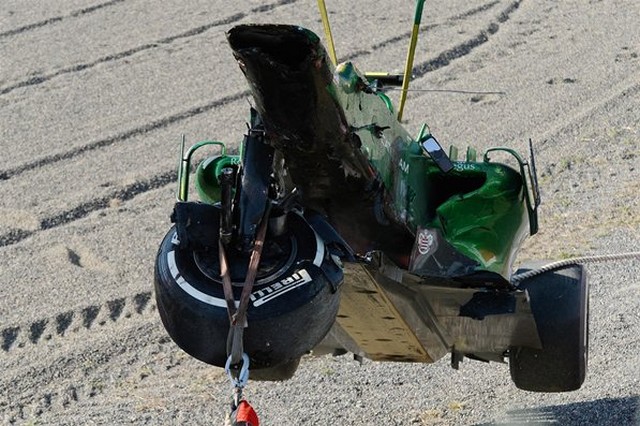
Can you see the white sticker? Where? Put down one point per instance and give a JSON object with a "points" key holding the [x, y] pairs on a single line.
{"points": [[266, 294], [425, 241]]}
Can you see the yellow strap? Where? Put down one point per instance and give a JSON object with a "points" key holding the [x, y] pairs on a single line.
{"points": [[327, 31], [408, 68]]}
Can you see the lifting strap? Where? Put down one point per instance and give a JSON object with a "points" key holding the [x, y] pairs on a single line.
{"points": [[242, 413]]}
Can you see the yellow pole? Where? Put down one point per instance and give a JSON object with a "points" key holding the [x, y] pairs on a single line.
{"points": [[327, 31], [408, 68]]}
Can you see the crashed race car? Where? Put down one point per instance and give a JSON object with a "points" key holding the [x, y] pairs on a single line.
{"points": [[334, 230]]}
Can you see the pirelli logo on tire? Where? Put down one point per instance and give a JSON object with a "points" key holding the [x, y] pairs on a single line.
{"points": [[264, 295]]}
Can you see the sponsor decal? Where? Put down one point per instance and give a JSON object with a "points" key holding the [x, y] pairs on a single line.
{"points": [[404, 166], [264, 295], [462, 166], [425, 242]]}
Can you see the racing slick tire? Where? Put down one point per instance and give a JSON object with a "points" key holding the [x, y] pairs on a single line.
{"points": [[293, 305], [560, 305]]}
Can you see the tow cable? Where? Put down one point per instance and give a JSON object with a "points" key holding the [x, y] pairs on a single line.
{"points": [[518, 278]]}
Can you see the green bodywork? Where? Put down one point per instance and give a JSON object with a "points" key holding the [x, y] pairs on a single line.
{"points": [[207, 183], [481, 208]]}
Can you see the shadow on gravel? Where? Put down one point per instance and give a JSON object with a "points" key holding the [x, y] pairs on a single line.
{"points": [[606, 411]]}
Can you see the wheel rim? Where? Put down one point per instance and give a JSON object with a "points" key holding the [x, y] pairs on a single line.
{"points": [[272, 263]]}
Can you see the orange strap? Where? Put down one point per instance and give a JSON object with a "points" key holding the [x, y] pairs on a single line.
{"points": [[246, 415]]}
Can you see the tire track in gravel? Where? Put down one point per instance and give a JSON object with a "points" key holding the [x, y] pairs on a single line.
{"points": [[607, 101], [78, 374], [426, 28], [461, 50], [56, 19], [475, 11], [42, 78], [464, 49], [163, 179], [51, 391], [137, 131], [123, 194], [443, 59], [90, 317]]}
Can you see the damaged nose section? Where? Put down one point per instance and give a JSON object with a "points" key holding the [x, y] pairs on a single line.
{"points": [[286, 67], [288, 46], [304, 113]]}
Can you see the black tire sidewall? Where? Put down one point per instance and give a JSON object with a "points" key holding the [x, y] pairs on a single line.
{"points": [[559, 302], [199, 325]]}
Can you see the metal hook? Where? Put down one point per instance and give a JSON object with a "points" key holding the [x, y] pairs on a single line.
{"points": [[243, 376]]}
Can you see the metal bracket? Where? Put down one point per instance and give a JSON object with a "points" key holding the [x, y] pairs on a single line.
{"points": [[529, 182], [185, 165]]}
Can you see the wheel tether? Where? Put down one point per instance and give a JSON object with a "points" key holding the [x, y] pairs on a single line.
{"points": [[242, 413]]}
